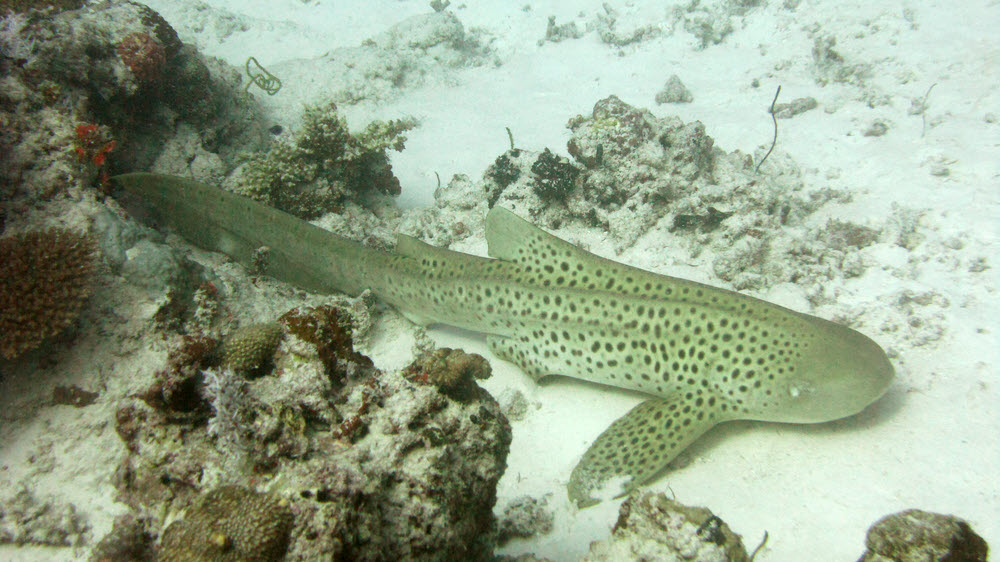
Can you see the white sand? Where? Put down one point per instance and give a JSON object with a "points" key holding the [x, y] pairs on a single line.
{"points": [[932, 442]]}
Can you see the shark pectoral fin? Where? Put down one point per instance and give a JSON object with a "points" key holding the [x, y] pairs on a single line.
{"points": [[636, 447], [519, 353]]}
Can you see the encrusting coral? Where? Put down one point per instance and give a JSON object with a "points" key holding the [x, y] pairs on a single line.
{"points": [[230, 523], [45, 278], [453, 371]]}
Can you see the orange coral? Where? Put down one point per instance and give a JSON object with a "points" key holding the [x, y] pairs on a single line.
{"points": [[45, 277]]}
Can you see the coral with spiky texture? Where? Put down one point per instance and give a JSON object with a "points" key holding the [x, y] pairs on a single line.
{"points": [[228, 524], [45, 277], [249, 350]]}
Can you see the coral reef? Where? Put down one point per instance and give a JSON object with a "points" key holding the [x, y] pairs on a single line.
{"points": [[637, 169], [19, 6], [230, 523], [654, 527], [324, 165], [914, 536], [116, 67], [375, 466], [45, 278]]}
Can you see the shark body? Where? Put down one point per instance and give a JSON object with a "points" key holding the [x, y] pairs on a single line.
{"points": [[706, 355]]}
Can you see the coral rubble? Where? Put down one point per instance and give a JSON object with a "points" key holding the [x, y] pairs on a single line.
{"points": [[374, 466]]}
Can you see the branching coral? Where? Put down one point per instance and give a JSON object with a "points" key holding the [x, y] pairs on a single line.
{"points": [[325, 164], [45, 278]]}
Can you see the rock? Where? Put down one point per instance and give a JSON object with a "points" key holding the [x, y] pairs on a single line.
{"points": [[920, 536], [654, 527], [674, 91], [525, 517]]}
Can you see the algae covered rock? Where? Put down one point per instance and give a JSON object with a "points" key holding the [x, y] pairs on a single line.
{"points": [[230, 523], [917, 536]]}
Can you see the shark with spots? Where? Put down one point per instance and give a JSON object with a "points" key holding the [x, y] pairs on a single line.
{"points": [[704, 355]]}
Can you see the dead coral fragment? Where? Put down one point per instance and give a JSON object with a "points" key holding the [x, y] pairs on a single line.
{"points": [[27, 519], [45, 278], [230, 523], [250, 350]]}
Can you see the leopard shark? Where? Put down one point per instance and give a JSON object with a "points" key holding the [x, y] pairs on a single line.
{"points": [[703, 354]]}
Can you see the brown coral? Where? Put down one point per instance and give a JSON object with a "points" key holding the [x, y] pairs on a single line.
{"points": [[453, 371], [230, 523], [143, 55], [328, 328], [249, 350], [45, 278]]}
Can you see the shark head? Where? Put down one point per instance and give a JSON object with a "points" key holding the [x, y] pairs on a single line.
{"points": [[837, 373]]}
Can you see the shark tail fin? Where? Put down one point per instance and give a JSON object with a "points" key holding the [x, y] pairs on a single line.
{"points": [[635, 448]]}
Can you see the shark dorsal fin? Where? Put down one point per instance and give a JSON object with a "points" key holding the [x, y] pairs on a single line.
{"points": [[409, 246], [554, 262], [514, 239]]}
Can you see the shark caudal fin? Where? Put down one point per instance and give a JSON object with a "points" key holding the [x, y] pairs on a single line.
{"points": [[636, 447]]}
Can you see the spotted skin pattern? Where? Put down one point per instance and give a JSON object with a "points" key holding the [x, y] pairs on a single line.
{"points": [[705, 354]]}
